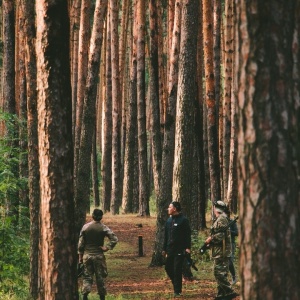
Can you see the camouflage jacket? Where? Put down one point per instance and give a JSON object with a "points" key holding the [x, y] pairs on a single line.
{"points": [[92, 237], [221, 241]]}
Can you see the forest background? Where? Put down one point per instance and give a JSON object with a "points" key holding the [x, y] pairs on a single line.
{"points": [[107, 103]]}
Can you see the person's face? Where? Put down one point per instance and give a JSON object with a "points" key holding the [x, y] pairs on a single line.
{"points": [[171, 209]]}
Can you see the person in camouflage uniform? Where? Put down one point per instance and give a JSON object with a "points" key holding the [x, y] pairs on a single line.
{"points": [[91, 253], [220, 243]]}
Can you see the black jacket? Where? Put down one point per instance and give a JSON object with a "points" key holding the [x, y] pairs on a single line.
{"points": [[177, 235]]}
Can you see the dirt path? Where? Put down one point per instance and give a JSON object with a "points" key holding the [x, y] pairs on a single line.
{"points": [[131, 276]]}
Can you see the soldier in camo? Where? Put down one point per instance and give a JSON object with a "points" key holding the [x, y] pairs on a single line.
{"points": [[91, 252], [220, 243]]}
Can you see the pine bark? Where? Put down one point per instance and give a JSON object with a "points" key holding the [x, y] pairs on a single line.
{"points": [[200, 128], [116, 104], [32, 142], [268, 148], [9, 57], [81, 60], [89, 114], [154, 96], [131, 141], [58, 257], [228, 75], [107, 125], [210, 101], [165, 191], [184, 130], [141, 113]]}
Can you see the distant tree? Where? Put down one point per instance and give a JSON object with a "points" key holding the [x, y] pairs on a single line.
{"points": [[124, 77], [81, 63], [144, 192], [107, 125], [82, 189], [131, 122], [228, 76], [116, 105], [95, 179], [187, 92], [75, 8], [57, 243], [21, 100], [210, 101], [9, 56], [268, 148], [154, 114], [32, 142], [164, 196], [200, 127], [9, 93]]}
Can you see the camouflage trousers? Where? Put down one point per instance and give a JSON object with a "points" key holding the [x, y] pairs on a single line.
{"points": [[94, 265], [221, 275]]}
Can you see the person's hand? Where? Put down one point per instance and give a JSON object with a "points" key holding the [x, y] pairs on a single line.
{"points": [[188, 251], [104, 248], [208, 240]]}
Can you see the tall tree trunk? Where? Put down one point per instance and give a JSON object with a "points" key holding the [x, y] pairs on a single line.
{"points": [[82, 65], [217, 32], [268, 149], [58, 246], [154, 96], [9, 93], [162, 65], [128, 179], [200, 121], [89, 114], [232, 170], [123, 55], [94, 167], [32, 142], [116, 158], [22, 100], [141, 112], [229, 50], [165, 191], [184, 132], [9, 56], [107, 125], [210, 101], [74, 33]]}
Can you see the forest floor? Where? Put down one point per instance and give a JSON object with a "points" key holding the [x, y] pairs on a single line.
{"points": [[129, 275]]}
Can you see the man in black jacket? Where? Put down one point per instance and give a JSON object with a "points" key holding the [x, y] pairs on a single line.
{"points": [[177, 242]]}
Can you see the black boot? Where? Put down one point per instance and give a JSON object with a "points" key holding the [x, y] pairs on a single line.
{"points": [[85, 297]]}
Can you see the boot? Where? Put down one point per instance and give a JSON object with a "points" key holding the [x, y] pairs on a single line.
{"points": [[102, 297], [85, 297]]}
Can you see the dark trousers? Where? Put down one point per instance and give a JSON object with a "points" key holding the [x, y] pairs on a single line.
{"points": [[174, 270]]}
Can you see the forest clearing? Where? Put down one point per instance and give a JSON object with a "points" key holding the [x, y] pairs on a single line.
{"points": [[130, 277]]}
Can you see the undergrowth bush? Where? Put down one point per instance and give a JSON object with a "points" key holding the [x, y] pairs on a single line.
{"points": [[14, 220], [14, 258]]}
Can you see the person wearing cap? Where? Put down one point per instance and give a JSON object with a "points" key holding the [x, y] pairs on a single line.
{"points": [[91, 250], [234, 232], [220, 243], [177, 242]]}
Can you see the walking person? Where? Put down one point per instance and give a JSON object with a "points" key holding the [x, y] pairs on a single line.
{"points": [[177, 242], [233, 233], [91, 250], [220, 243]]}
